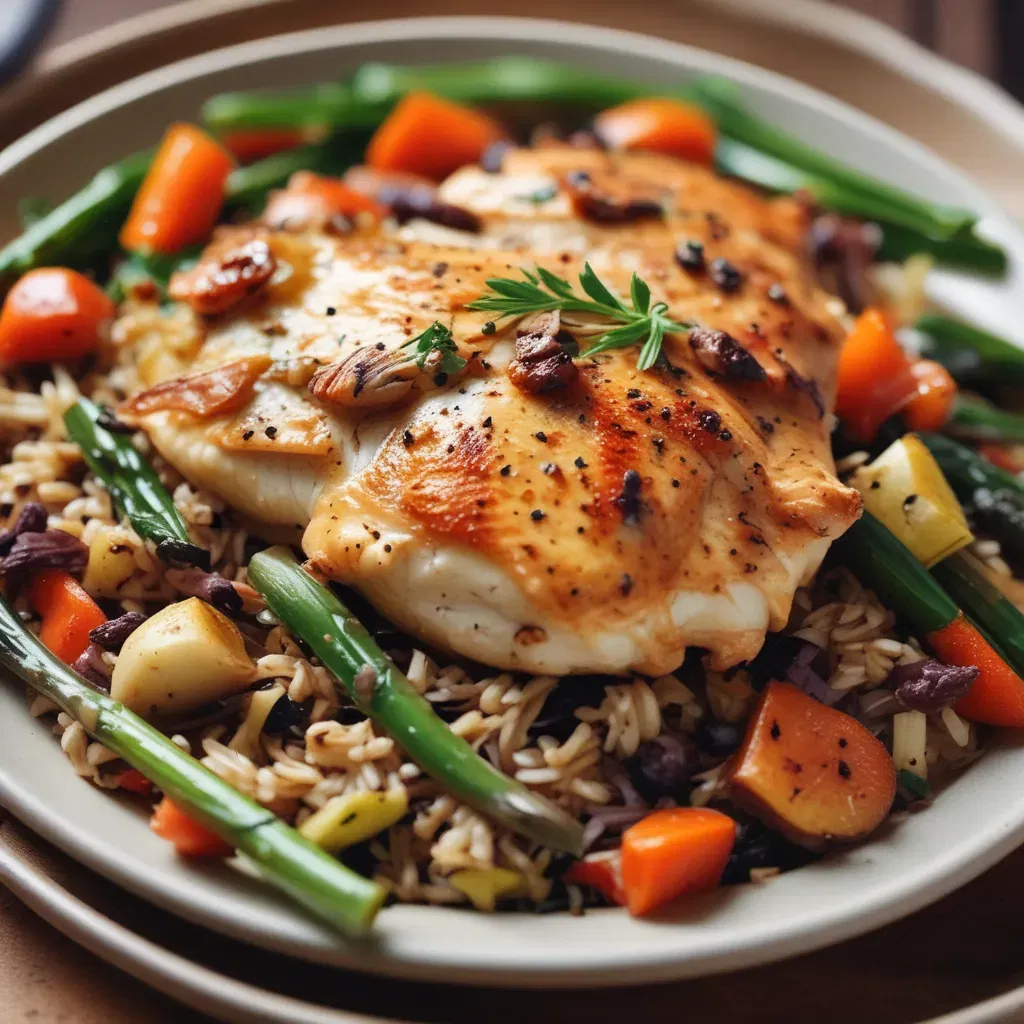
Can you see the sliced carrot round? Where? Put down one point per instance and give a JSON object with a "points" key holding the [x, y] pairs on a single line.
{"points": [[52, 314], [428, 135], [660, 126]]}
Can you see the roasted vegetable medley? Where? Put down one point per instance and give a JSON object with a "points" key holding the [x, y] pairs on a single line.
{"points": [[431, 505]]}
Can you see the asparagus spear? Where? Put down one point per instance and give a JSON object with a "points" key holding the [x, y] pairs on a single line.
{"points": [[718, 96], [517, 79], [882, 562], [375, 89], [970, 353], [967, 471], [316, 616], [309, 875], [993, 498], [978, 420], [82, 227], [962, 577], [134, 487], [899, 241]]}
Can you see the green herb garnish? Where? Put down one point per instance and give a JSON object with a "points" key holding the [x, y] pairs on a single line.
{"points": [[437, 338], [542, 291]]}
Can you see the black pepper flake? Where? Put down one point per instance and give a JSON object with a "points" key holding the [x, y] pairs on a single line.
{"points": [[725, 275], [675, 482], [659, 443], [775, 732], [537, 515], [488, 422], [842, 742], [407, 439], [633, 393], [844, 770], [710, 421], [579, 463], [541, 436], [625, 584], [666, 413], [910, 499], [439, 269], [628, 501], [271, 432], [766, 426], [690, 256], [330, 311], [725, 435], [778, 295], [489, 328], [380, 346], [248, 434], [450, 449], [549, 469], [440, 378], [505, 470], [387, 548]]}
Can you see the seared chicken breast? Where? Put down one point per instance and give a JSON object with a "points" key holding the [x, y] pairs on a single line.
{"points": [[533, 510]]}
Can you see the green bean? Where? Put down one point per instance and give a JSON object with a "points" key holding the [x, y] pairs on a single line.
{"points": [[970, 354], [133, 485], [287, 860], [83, 227], [978, 420], [365, 674], [961, 576]]}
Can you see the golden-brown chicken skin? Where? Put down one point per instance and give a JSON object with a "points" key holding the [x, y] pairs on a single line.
{"points": [[602, 521]]}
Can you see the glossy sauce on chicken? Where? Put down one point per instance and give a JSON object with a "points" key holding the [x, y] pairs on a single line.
{"points": [[532, 511]]}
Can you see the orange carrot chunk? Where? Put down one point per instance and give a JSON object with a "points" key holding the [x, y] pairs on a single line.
{"points": [[996, 697], [672, 852], [661, 126], [135, 782], [189, 837], [601, 871], [431, 136], [254, 144], [52, 314], [311, 198], [181, 196], [810, 771], [936, 391], [875, 380], [68, 613]]}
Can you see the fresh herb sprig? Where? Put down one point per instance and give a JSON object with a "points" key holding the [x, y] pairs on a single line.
{"points": [[437, 338], [542, 291]]}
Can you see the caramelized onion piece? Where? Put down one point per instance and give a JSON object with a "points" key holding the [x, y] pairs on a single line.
{"points": [[228, 272], [204, 395]]}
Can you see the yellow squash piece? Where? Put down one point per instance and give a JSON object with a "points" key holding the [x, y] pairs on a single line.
{"points": [[905, 489], [354, 817], [185, 655], [485, 886], [247, 738]]}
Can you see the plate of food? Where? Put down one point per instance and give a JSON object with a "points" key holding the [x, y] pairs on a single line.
{"points": [[524, 519]]}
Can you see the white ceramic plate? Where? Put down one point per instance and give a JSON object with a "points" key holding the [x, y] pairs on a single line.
{"points": [[976, 821]]}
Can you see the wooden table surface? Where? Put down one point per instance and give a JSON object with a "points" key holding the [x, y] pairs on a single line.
{"points": [[966, 948]]}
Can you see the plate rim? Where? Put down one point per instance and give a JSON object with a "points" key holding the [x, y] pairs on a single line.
{"points": [[985, 847]]}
